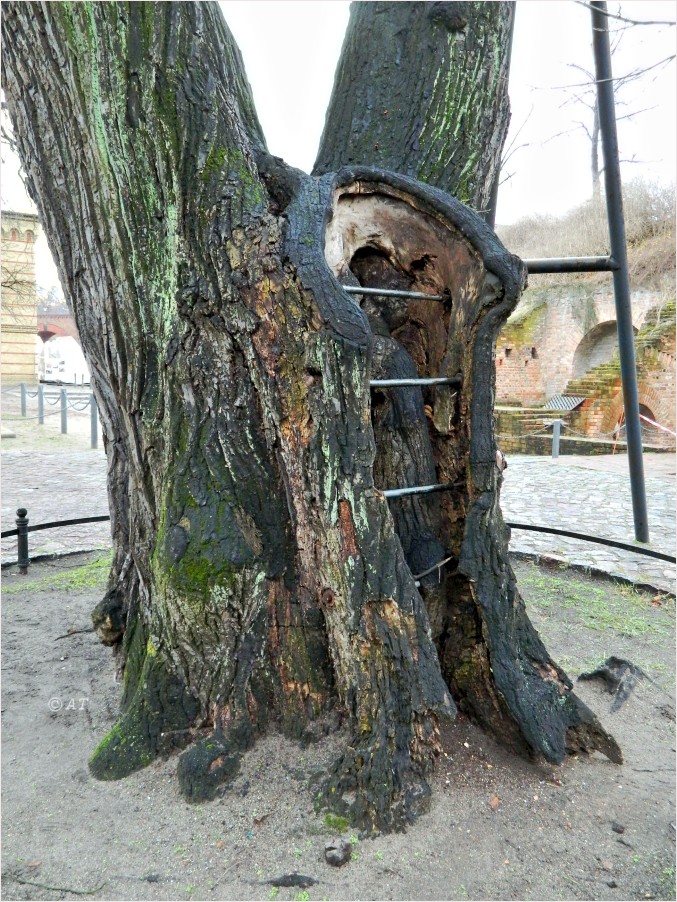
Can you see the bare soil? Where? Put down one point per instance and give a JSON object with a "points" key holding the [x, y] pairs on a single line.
{"points": [[499, 827]]}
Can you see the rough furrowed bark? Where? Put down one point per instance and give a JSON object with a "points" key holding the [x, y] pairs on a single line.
{"points": [[422, 89], [260, 576]]}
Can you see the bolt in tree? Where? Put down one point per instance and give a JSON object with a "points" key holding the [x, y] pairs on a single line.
{"points": [[260, 576]]}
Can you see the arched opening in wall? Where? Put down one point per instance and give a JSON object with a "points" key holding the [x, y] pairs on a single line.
{"points": [[652, 434], [596, 347]]}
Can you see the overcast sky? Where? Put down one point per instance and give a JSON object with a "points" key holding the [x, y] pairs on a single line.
{"points": [[291, 47]]}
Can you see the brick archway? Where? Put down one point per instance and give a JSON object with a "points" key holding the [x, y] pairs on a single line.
{"points": [[648, 397], [597, 346]]}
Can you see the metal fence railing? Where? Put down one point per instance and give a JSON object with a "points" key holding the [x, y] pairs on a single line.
{"points": [[57, 396], [23, 559]]}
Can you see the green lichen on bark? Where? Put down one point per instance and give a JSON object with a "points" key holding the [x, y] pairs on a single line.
{"points": [[443, 123], [156, 721]]}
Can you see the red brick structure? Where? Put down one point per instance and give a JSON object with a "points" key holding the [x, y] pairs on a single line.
{"points": [[51, 324], [558, 334], [565, 343]]}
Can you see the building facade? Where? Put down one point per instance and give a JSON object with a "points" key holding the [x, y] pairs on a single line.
{"points": [[19, 299]]}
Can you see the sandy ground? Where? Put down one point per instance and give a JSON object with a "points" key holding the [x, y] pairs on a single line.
{"points": [[499, 827]]}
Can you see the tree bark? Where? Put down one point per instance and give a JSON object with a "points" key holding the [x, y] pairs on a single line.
{"points": [[422, 89], [258, 575]]}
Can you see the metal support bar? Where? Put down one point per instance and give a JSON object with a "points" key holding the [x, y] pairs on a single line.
{"points": [[614, 206], [542, 265], [392, 293], [93, 421], [41, 405], [23, 399], [64, 411], [537, 266], [398, 383], [418, 490], [22, 540]]}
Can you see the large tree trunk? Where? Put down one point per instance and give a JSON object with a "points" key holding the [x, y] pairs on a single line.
{"points": [[258, 575], [422, 89]]}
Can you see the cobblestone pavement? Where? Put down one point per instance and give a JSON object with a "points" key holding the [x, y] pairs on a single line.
{"points": [[55, 486], [591, 495], [585, 494]]}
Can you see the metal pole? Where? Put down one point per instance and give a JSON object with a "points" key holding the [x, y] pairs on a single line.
{"points": [[556, 427], [22, 540], [614, 205], [64, 411], [41, 404], [23, 399], [93, 421]]}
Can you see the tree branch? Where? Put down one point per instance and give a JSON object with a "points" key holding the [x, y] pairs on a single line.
{"points": [[620, 18], [619, 79]]}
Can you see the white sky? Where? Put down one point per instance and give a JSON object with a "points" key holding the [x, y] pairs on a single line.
{"points": [[291, 47]]}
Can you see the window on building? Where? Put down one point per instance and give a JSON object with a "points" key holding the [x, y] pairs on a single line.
{"points": [[534, 354], [508, 352], [29, 237]]}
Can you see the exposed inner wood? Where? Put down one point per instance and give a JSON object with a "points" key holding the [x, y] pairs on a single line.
{"points": [[379, 240]]}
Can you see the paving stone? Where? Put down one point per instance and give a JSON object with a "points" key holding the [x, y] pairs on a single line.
{"points": [[592, 498]]}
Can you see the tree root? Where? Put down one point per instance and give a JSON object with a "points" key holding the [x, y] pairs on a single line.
{"points": [[213, 761], [588, 735], [154, 723], [378, 788], [55, 889]]}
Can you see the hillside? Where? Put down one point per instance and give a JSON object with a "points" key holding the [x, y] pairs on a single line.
{"points": [[582, 232]]}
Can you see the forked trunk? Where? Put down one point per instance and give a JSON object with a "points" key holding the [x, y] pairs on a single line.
{"points": [[422, 89], [261, 577]]}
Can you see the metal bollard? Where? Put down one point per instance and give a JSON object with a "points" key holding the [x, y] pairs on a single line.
{"points": [[556, 427], [22, 540], [41, 404], [64, 411], [94, 421], [23, 399]]}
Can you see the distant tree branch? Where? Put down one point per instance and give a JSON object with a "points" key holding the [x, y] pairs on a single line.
{"points": [[619, 79], [624, 18], [512, 147]]}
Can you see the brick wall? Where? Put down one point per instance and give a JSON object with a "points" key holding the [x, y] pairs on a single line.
{"points": [[536, 349]]}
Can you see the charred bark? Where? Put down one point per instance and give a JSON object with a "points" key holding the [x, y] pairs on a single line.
{"points": [[422, 89], [259, 577]]}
